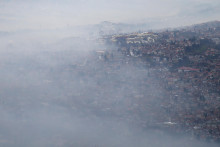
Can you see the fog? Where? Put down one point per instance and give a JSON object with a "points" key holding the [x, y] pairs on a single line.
{"points": [[61, 87], [61, 92]]}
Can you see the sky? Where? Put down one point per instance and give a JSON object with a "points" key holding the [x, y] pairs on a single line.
{"points": [[52, 14]]}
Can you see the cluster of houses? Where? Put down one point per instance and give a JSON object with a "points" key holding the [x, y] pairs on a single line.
{"points": [[190, 81]]}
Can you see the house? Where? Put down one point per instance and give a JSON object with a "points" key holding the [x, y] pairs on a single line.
{"points": [[187, 69]]}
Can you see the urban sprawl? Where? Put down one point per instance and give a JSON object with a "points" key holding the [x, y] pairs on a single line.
{"points": [[180, 91]]}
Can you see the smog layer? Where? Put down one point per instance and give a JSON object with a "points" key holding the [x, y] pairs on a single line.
{"points": [[107, 91]]}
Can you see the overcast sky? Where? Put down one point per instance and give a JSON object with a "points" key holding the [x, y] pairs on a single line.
{"points": [[44, 14]]}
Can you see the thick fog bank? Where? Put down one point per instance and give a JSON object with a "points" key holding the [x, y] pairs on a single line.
{"points": [[68, 94]]}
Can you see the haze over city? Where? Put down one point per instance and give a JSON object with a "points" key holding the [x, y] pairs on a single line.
{"points": [[117, 73]]}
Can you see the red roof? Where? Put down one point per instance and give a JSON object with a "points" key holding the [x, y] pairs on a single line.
{"points": [[188, 68]]}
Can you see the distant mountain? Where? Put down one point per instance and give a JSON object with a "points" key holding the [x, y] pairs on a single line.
{"points": [[211, 24], [110, 28]]}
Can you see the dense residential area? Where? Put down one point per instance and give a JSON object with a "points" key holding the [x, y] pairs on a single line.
{"points": [[186, 65]]}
